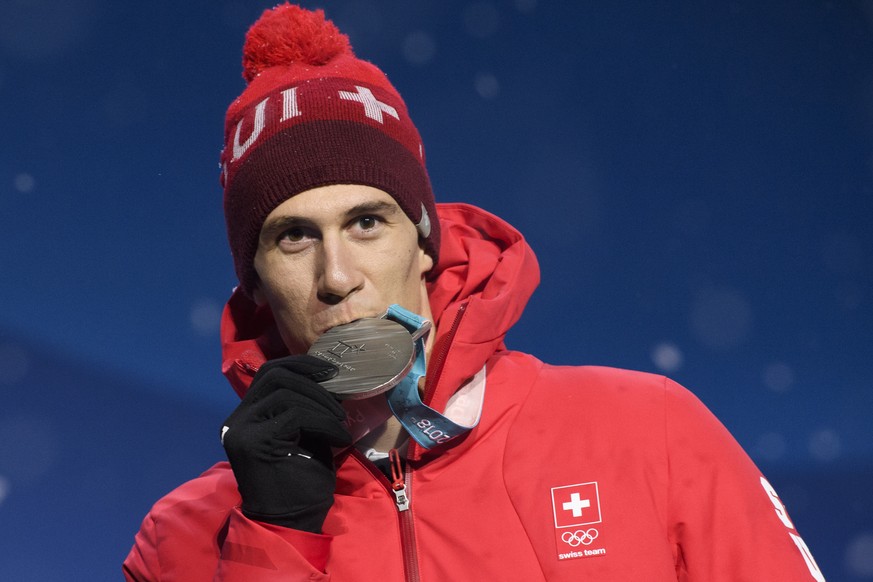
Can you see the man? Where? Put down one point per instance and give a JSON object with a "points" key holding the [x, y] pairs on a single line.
{"points": [[510, 469]]}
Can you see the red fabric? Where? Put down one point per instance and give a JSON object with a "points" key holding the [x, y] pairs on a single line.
{"points": [[672, 495]]}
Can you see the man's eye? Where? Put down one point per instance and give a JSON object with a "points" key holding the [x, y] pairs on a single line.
{"points": [[293, 235], [368, 222]]}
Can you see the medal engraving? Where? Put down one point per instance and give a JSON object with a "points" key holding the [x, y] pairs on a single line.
{"points": [[373, 355]]}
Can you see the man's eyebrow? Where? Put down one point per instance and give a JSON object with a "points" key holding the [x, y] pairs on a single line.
{"points": [[378, 206]]}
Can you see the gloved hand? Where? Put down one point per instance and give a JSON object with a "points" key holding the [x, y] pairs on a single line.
{"points": [[279, 440]]}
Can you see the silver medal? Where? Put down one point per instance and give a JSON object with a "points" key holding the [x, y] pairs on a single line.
{"points": [[373, 355]]}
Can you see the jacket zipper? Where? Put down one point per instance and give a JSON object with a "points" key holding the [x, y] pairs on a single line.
{"points": [[400, 483]]}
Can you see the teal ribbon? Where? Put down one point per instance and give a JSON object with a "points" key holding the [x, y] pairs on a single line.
{"points": [[425, 425]]}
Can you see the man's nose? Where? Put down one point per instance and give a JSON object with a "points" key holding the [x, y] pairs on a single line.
{"points": [[339, 276]]}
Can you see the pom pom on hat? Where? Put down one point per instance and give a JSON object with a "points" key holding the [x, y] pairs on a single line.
{"points": [[289, 34]]}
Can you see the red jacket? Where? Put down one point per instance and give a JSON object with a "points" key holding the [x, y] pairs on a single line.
{"points": [[573, 473]]}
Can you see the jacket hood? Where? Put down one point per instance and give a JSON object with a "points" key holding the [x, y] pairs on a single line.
{"points": [[485, 276]]}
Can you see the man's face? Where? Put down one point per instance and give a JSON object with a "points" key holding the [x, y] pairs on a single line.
{"points": [[334, 254]]}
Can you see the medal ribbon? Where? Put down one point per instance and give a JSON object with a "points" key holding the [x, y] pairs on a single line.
{"points": [[425, 425]]}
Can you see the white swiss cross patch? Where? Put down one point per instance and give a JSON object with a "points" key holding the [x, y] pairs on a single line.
{"points": [[576, 509], [373, 108]]}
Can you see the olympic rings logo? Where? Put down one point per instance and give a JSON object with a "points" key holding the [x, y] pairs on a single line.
{"points": [[578, 537]]}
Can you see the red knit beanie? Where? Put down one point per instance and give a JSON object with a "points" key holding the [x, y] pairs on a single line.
{"points": [[312, 115]]}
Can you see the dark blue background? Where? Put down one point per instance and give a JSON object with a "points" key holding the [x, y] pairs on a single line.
{"points": [[694, 176]]}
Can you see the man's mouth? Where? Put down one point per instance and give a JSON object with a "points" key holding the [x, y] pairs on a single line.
{"points": [[346, 321]]}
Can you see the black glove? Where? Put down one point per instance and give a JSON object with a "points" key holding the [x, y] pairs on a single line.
{"points": [[279, 440]]}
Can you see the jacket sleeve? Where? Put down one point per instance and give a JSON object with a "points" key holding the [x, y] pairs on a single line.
{"points": [[141, 563], [197, 534], [259, 551], [726, 521]]}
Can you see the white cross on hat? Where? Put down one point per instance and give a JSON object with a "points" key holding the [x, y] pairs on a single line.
{"points": [[373, 108]]}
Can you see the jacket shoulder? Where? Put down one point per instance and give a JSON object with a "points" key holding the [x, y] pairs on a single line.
{"points": [[602, 377], [525, 376], [180, 535], [600, 383], [194, 511], [215, 487]]}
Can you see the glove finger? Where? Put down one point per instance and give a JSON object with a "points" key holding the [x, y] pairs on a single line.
{"points": [[336, 434], [276, 388], [302, 392], [272, 427], [285, 413], [278, 384], [279, 377], [279, 403], [255, 413], [305, 424], [311, 368]]}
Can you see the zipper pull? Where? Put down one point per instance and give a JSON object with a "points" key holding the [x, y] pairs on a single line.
{"points": [[398, 486]]}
